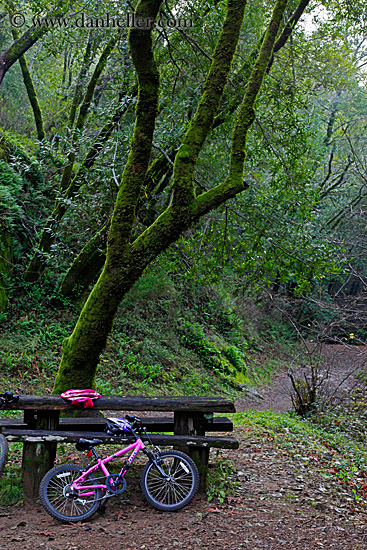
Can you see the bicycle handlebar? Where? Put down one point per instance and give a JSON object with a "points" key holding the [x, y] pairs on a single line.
{"points": [[134, 420], [8, 397]]}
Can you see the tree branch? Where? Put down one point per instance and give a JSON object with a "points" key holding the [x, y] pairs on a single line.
{"points": [[140, 41], [20, 46], [246, 67], [31, 91], [193, 140]]}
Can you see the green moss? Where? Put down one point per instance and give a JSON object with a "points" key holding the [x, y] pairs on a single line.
{"points": [[32, 95], [193, 141], [5, 267]]}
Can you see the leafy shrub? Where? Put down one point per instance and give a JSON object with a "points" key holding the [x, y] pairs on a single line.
{"points": [[11, 185], [236, 357], [221, 479]]}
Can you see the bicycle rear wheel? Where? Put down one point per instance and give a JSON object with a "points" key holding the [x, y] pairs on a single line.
{"points": [[3, 452], [177, 487], [63, 504]]}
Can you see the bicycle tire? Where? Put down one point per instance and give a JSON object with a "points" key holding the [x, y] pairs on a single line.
{"points": [[179, 490], [4, 449], [54, 500]]}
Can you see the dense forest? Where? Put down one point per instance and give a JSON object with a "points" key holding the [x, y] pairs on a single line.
{"points": [[182, 189]]}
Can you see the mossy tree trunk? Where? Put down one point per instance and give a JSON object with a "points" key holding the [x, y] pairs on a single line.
{"points": [[31, 91], [126, 260], [5, 266], [86, 266]]}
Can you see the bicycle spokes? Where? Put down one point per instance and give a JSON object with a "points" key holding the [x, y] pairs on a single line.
{"points": [[171, 484]]}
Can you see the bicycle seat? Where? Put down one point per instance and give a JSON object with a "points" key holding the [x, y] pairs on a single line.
{"points": [[85, 444]]}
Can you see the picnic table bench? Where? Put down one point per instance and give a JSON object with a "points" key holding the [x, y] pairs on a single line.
{"points": [[42, 428]]}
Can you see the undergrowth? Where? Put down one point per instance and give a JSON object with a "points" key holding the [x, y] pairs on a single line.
{"points": [[221, 479], [11, 484], [335, 454], [170, 336]]}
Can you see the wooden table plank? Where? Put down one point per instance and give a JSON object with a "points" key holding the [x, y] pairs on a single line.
{"points": [[59, 436], [126, 403]]}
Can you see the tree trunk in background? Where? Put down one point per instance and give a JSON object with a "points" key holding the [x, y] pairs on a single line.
{"points": [[5, 267]]}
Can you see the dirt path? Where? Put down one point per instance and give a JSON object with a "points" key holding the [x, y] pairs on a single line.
{"points": [[276, 397], [342, 363], [283, 503]]}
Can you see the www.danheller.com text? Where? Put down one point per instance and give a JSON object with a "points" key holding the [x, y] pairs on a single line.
{"points": [[126, 21]]}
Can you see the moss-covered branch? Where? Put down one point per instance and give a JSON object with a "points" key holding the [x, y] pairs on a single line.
{"points": [[243, 74], [20, 46], [246, 113], [31, 91], [193, 141], [87, 60]]}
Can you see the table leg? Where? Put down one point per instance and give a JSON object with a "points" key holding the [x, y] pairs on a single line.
{"points": [[193, 423], [38, 458]]}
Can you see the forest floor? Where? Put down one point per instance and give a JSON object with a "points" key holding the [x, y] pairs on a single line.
{"points": [[284, 499]]}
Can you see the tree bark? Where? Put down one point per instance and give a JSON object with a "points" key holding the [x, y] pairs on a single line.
{"points": [[86, 266]]}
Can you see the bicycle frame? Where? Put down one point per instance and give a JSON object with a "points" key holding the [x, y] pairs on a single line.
{"points": [[71, 493], [134, 447]]}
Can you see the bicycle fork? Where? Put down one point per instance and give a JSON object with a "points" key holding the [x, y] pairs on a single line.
{"points": [[154, 460]]}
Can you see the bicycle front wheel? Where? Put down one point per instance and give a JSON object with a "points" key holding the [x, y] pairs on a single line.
{"points": [[65, 504], [3, 452], [177, 487]]}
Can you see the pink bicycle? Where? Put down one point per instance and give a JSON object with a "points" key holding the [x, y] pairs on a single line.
{"points": [[72, 493]]}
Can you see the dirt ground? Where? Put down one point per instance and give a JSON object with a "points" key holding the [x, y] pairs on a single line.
{"points": [[282, 503]]}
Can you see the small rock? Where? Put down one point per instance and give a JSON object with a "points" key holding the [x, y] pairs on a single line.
{"points": [[250, 391]]}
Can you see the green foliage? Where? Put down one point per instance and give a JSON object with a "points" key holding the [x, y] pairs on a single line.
{"points": [[11, 191], [212, 357], [11, 484], [274, 329], [235, 356], [221, 479], [147, 374]]}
